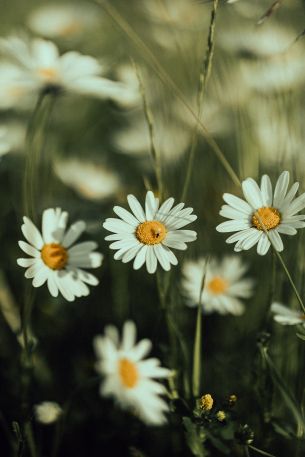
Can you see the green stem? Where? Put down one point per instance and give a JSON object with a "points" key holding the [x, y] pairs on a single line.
{"points": [[154, 151], [203, 79], [260, 451], [197, 354], [290, 280]]}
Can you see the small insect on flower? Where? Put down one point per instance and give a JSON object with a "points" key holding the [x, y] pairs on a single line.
{"points": [[127, 377], [54, 259], [287, 316], [224, 285], [147, 236], [47, 412], [264, 216]]}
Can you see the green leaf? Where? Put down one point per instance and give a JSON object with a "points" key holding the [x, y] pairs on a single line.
{"points": [[193, 438]]}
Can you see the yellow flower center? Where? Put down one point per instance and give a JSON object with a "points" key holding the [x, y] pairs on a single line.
{"points": [[54, 256], [266, 217], [151, 232], [70, 29], [128, 373], [48, 73], [217, 285]]}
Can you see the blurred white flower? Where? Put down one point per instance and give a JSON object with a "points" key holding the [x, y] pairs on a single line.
{"points": [[256, 41], [126, 74], [16, 88], [47, 412], [287, 316], [127, 377], [38, 64], [91, 181], [12, 137], [52, 258], [224, 285], [277, 212], [171, 139], [147, 236], [63, 20]]}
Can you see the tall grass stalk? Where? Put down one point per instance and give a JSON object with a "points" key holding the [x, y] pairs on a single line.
{"points": [[197, 356], [203, 79], [154, 151], [168, 81]]}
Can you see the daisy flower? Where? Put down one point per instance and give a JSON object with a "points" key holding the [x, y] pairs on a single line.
{"points": [[127, 377], [90, 180], [38, 63], [47, 412], [287, 316], [68, 21], [224, 285], [54, 260], [147, 235], [275, 211]]}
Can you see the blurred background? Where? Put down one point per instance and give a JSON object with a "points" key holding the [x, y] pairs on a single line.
{"points": [[97, 152]]}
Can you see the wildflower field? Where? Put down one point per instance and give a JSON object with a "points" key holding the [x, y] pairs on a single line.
{"points": [[152, 205]]}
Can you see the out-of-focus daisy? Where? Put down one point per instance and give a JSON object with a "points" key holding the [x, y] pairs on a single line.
{"points": [[275, 211], [171, 139], [147, 235], [129, 378], [47, 412], [224, 285], [16, 89], [91, 181], [54, 260], [126, 74], [287, 316], [256, 41], [67, 21], [40, 64], [12, 137]]}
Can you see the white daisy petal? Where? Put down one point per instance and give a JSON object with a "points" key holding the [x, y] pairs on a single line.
{"points": [[297, 205], [286, 229], [140, 257], [34, 269], [26, 262], [238, 203], [162, 257], [232, 226], [73, 233], [28, 249], [117, 226], [276, 240], [131, 253], [31, 233], [126, 216], [150, 206], [266, 190], [281, 189], [252, 193], [40, 277], [263, 245], [136, 208], [151, 260], [52, 286]]}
